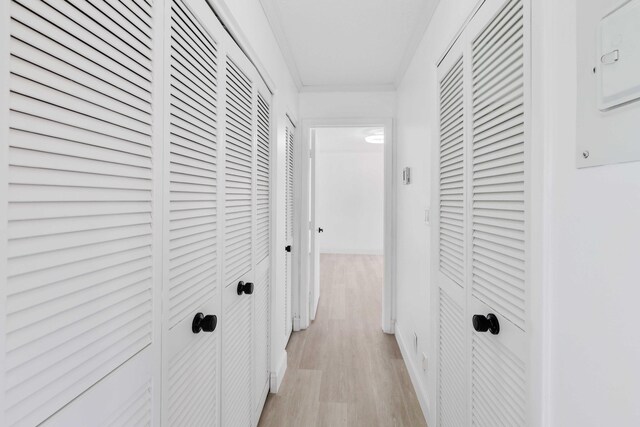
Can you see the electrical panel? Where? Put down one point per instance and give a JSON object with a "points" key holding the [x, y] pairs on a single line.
{"points": [[608, 82]]}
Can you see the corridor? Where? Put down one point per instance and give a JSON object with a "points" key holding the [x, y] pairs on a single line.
{"points": [[343, 371]]}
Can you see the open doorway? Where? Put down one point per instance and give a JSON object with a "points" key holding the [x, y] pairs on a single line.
{"points": [[347, 198]]}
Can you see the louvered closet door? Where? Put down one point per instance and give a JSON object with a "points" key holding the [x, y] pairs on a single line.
{"points": [[262, 298], [239, 240], [498, 59], [289, 173], [80, 259], [451, 298], [191, 371]]}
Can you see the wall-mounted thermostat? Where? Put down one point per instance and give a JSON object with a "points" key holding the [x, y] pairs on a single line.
{"points": [[406, 175]]}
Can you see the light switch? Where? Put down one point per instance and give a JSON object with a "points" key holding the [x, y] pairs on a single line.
{"points": [[619, 56]]}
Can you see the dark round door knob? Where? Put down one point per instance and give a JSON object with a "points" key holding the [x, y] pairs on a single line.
{"points": [[486, 323], [287, 248], [245, 288], [320, 230], [204, 323]]}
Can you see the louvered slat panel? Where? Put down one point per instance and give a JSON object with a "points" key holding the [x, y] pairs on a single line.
{"points": [[289, 194], [263, 328], [193, 380], [79, 272], [452, 402], [452, 174], [263, 213], [499, 165], [236, 368], [288, 224], [498, 385], [238, 174], [136, 413], [193, 165]]}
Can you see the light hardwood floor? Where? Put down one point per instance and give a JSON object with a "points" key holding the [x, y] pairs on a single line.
{"points": [[343, 370]]}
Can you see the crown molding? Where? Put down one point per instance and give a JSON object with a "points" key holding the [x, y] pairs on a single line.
{"points": [[272, 12]]}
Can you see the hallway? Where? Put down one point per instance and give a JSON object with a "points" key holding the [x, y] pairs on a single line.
{"points": [[343, 371]]}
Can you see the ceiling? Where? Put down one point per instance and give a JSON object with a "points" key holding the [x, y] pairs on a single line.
{"points": [[348, 43], [347, 139]]}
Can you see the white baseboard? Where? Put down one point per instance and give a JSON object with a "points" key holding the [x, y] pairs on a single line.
{"points": [[278, 374], [414, 375]]}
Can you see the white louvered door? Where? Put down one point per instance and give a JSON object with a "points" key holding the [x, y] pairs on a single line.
{"points": [[80, 171], [498, 222], [483, 246], [289, 174], [136, 187], [262, 298], [191, 362], [239, 240], [452, 285]]}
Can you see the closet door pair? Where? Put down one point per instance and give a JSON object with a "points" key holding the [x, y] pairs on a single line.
{"points": [[135, 198], [483, 300], [217, 221]]}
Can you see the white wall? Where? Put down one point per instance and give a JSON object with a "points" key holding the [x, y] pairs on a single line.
{"points": [[417, 139], [346, 105], [593, 255], [247, 20], [350, 192]]}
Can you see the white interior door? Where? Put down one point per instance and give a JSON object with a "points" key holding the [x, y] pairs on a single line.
{"points": [[483, 299], [452, 284], [191, 371], [315, 230], [262, 298], [239, 239], [289, 172], [498, 221], [80, 178]]}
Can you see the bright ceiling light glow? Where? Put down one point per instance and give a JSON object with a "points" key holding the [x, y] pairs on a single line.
{"points": [[375, 139]]}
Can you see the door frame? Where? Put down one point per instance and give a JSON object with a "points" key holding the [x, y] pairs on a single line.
{"points": [[302, 304]]}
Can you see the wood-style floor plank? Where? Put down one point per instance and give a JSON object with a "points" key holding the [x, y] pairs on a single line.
{"points": [[343, 370]]}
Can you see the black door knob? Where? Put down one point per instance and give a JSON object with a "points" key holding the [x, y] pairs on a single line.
{"points": [[320, 230], [287, 248], [206, 323], [486, 323], [246, 288]]}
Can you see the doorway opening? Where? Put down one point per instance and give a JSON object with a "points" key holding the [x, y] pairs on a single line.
{"points": [[347, 212]]}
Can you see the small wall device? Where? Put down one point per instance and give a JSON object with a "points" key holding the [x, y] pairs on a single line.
{"points": [[406, 175]]}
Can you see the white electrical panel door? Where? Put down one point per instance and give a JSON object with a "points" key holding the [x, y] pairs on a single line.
{"points": [[78, 285], [239, 238], [483, 287], [451, 297], [498, 204], [289, 174], [191, 366]]}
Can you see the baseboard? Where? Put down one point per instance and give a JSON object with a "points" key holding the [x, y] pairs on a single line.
{"points": [[278, 374], [414, 375]]}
